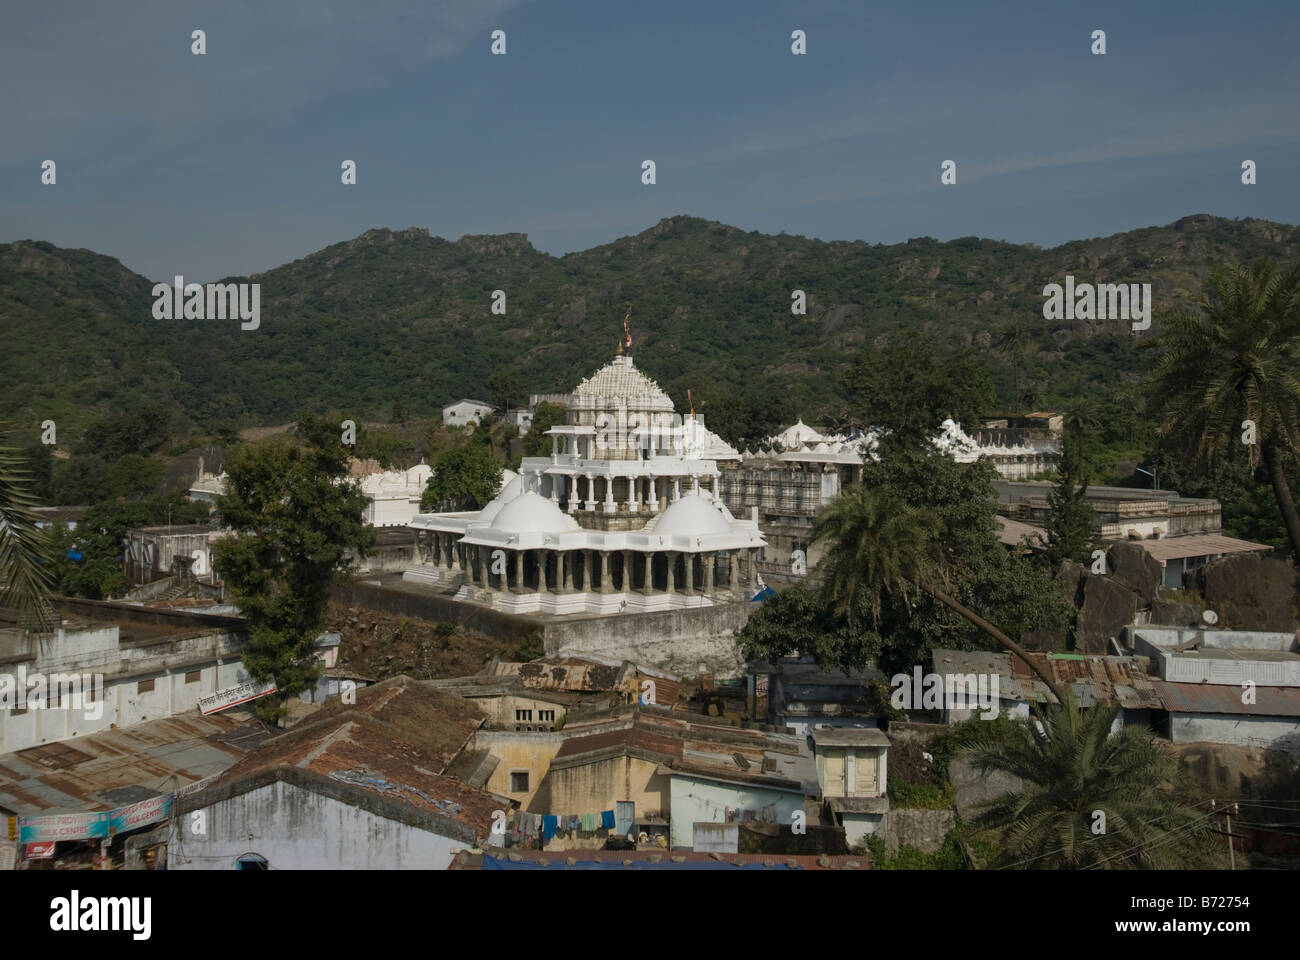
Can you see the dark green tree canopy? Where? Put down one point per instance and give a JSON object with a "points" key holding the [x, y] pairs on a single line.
{"points": [[466, 477], [911, 386], [294, 516]]}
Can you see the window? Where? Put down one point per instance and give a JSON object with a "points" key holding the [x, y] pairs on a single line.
{"points": [[192, 676], [546, 716], [518, 781], [144, 686], [523, 715], [251, 861]]}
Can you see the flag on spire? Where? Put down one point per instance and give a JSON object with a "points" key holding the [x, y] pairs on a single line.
{"points": [[626, 331]]}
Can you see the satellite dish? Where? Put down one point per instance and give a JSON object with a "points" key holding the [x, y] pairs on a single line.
{"points": [[1210, 617]]}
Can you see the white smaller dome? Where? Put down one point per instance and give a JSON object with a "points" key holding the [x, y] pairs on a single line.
{"points": [[530, 513], [693, 515]]}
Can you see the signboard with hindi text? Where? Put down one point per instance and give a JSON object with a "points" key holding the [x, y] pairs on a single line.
{"points": [[233, 696]]}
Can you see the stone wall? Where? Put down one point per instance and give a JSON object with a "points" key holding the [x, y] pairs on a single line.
{"points": [[687, 642], [922, 829]]}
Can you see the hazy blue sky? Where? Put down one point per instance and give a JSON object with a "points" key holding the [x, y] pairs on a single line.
{"points": [[229, 163]]}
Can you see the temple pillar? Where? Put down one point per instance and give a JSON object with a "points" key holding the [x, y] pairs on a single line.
{"points": [[519, 570], [654, 494], [591, 493], [672, 573], [695, 484], [563, 565], [586, 571], [734, 572], [677, 489], [555, 489], [709, 559], [648, 578], [606, 581], [479, 569], [753, 567], [627, 571], [609, 494], [631, 494], [571, 491]]}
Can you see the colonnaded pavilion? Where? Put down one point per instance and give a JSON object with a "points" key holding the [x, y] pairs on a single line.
{"points": [[623, 516]]}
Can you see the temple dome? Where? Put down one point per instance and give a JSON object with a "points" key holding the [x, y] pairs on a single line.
{"points": [[618, 382], [530, 513], [511, 486], [692, 515], [797, 435]]}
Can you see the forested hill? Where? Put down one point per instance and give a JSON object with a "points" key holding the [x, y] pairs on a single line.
{"points": [[402, 315]]}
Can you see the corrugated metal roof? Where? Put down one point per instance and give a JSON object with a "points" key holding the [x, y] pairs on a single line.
{"points": [[160, 755], [1200, 545], [1226, 698]]}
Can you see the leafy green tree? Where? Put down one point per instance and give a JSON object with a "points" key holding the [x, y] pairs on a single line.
{"points": [[1072, 525], [880, 544], [1235, 359], [25, 577], [140, 431], [40, 463], [82, 479], [464, 478], [507, 389], [294, 516], [911, 386], [536, 442], [1076, 770], [913, 563], [392, 452], [132, 475]]}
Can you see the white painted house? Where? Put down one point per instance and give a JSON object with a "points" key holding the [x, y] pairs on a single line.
{"points": [[358, 787], [464, 412], [112, 666]]}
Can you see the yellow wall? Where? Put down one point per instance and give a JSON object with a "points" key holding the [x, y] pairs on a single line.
{"points": [[593, 787]]}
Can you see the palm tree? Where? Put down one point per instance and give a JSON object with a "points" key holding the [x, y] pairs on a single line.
{"points": [[1237, 358], [25, 578], [1090, 799], [881, 545]]}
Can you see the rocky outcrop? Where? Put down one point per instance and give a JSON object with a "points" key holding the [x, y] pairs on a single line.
{"points": [[1250, 592], [1070, 577], [1132, 566], [1175, 613], [1108, 607]]}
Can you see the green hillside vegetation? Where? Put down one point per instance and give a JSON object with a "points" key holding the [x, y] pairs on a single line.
{"points": [[392, 316]]}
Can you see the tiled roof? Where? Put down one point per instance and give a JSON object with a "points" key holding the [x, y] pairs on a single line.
{"points": [[391, 747]]}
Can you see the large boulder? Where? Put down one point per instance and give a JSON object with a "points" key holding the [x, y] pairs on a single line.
{"points": [[1174, 613], [1108, 607], [1250, 592], [1069, 576], [1130, 565]]}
